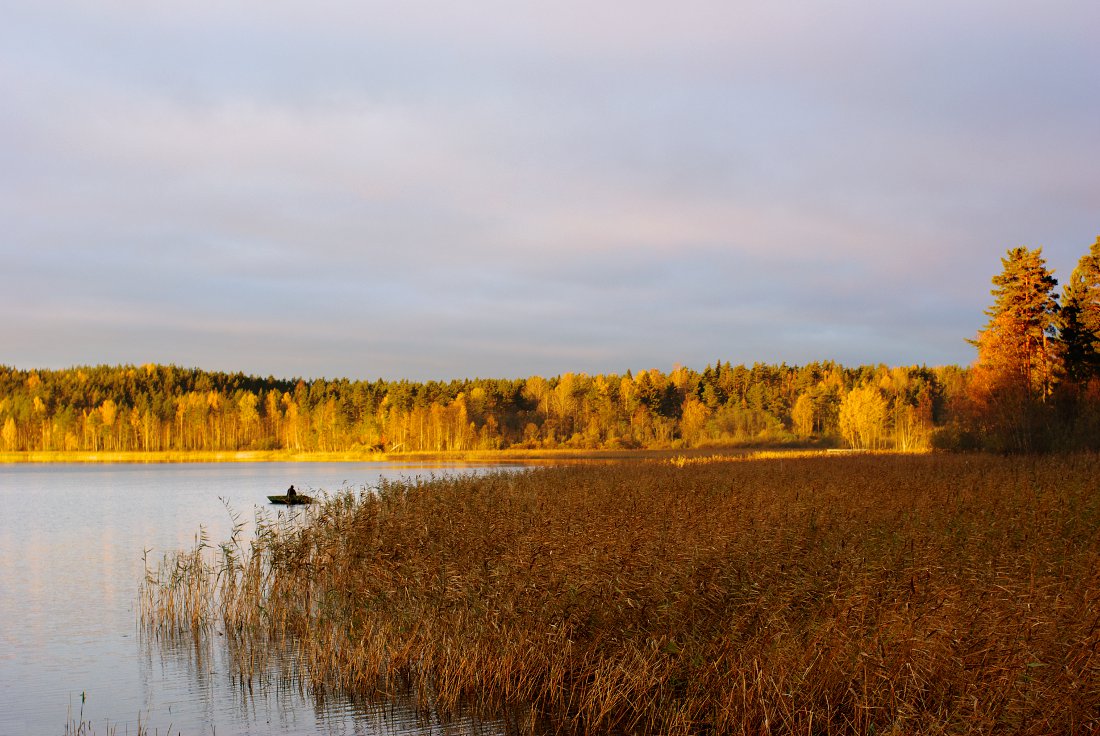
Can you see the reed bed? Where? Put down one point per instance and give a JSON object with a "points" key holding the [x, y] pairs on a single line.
{"points": [[855, 594]]}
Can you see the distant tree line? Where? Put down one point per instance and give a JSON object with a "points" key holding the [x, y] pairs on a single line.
{"points": [[1035, 386], [165, 407]]}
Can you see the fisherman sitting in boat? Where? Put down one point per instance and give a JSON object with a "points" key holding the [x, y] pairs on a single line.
{"points": [[291, 494]]}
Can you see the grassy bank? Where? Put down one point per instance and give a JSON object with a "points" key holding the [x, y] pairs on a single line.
{"points": [[471, 456], [827, 595]]}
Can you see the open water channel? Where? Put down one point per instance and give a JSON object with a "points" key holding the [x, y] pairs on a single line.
{"points": [[71, 561]]}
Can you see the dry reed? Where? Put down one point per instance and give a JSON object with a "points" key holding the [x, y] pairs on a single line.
{"points": [[862, 594]]}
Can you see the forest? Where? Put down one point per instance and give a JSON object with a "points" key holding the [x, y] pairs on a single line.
{"points": [[1034, 386], [164, 407]]}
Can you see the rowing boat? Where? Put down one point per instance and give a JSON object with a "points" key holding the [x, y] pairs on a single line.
{"points": [[297, 500]]}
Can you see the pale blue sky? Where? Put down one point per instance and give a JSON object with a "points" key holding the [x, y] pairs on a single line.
{"points": [[436, 190]]}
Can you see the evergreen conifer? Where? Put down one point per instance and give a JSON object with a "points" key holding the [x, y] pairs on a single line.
{"points": [[1080, 318]]}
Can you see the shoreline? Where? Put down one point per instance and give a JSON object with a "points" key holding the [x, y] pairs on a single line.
{"points": [[273, 456], [526, 455]]}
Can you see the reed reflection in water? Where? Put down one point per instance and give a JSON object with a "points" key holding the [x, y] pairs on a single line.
{"points": [[275, 699]]}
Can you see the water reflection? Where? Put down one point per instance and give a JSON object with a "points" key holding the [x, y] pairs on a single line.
{"points": [[71, 544], [213, 669]]}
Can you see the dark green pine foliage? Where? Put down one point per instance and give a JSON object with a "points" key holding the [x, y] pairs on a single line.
{"points": [[1080, 318]]}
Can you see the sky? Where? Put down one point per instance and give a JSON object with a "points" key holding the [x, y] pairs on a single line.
{"points": [[431, 190]]}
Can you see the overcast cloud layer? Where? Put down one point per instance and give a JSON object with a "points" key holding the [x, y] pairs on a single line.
{"points": [[437, 190]]}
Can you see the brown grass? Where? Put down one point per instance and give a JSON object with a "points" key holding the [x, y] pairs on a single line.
{"points": [[861, 594]]}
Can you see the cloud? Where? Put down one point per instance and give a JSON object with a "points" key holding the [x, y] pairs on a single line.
{"points": [[510, 189]]}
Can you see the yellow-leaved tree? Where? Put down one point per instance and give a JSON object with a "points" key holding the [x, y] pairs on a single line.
{"points": [[863, 415], [802, 416], [9, 434]]}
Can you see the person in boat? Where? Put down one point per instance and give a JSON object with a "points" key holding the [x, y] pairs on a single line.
{"points": [[291, 494]]}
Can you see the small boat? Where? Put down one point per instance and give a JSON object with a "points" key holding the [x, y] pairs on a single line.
{"points": [[296, 500]]}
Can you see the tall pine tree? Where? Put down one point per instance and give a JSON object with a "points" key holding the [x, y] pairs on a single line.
{"points": [[1019, 346], [1018, 355]]}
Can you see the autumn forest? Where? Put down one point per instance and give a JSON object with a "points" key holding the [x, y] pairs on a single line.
{"points": [[1035, 385], [156, 408]]}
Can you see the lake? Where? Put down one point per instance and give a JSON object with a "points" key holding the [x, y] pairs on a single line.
{"points": [[72, 539]]}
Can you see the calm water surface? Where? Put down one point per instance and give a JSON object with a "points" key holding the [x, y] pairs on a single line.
{"points": [[71, 543]]}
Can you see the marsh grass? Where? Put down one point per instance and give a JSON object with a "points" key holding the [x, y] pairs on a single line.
{"points": [[862, 594]]}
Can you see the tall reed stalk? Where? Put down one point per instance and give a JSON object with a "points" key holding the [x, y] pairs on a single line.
{"points": [[858, 594]]}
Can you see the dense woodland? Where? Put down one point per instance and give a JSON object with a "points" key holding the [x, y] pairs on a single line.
{"points": [[1034, 386], [157, 407]]}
